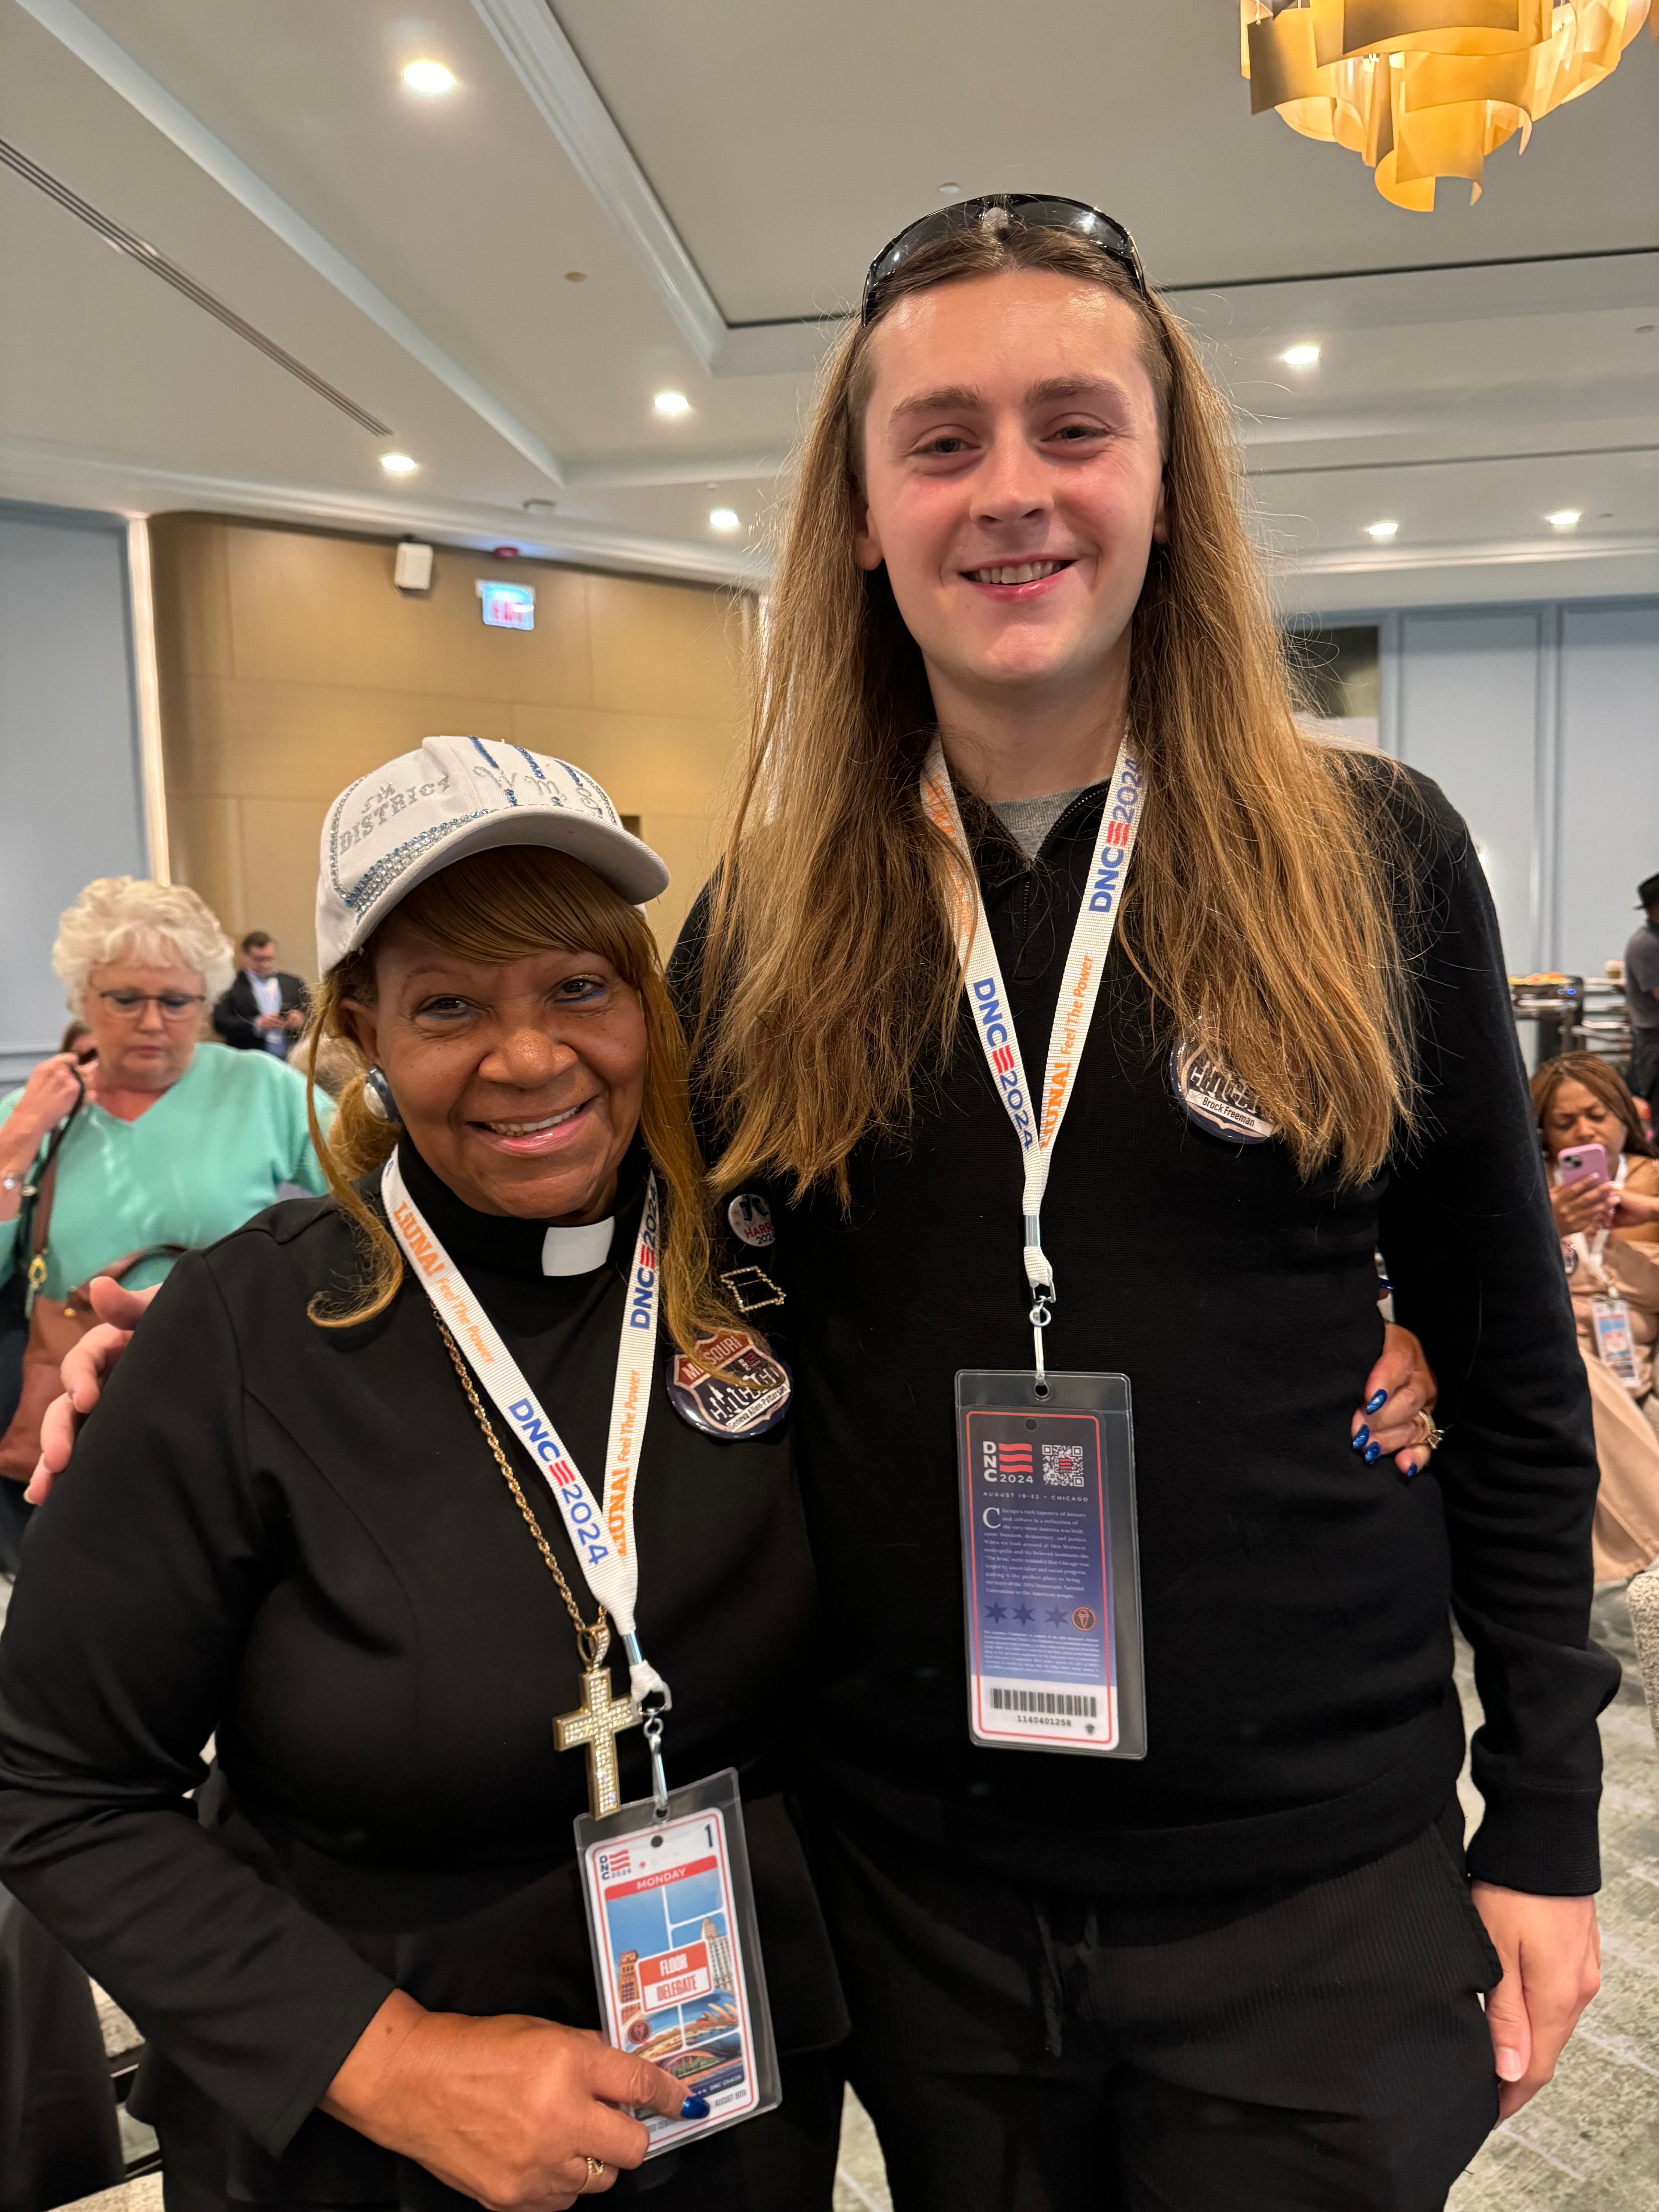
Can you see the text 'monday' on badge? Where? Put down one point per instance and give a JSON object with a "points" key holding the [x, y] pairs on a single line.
{"points": [[671, 1967], [755, 1399], [751, 1218], [1214, 1099]]}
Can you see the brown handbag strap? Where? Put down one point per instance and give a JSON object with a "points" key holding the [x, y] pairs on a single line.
{"points": [[46, 1183]]}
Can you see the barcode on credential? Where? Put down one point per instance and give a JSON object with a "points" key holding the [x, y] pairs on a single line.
{"points": [[1064, 1704]]}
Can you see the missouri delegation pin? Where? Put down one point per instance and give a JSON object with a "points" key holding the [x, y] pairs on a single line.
{"points": [[755, 1399]]}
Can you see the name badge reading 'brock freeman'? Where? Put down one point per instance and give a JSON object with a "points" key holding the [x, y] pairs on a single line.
{"points": [[1212, 1098]]}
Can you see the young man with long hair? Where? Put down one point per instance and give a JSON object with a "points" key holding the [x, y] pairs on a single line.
{"points": [[1246, 1970]]}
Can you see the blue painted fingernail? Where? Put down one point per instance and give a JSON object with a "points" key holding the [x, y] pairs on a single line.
{"points": [[1372, 1452], [1412, 1471], [1362, 1437], [1372, 1404], [695, 2108]]}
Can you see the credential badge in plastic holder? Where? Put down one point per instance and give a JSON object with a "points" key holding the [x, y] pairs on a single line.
{"points": [[1051, 1574], [1613, 1339], [670, 1916]]}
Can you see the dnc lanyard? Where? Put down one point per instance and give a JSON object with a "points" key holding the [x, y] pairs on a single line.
{"points": [[1037, 1126], [603, 1540]]}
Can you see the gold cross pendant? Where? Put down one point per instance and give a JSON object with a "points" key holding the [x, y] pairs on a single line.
{"points": [[597, 1724]]}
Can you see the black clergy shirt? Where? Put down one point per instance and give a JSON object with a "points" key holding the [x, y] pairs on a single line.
{"points": [[1300, 1709], [297, 1541]]}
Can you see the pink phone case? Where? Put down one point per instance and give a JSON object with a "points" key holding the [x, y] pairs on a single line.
{"points": [[1583, 1164]]}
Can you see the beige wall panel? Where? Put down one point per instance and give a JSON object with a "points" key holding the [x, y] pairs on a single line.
{"points": [[205, 835], [309, 741], [324, 607], [279, 877], [191, 578], [690, 844], [550, 663], [648, 764], [666, 648], [291, 665]]}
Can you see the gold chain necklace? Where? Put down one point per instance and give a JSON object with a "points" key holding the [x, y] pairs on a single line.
{"points": [[593, 1642]]}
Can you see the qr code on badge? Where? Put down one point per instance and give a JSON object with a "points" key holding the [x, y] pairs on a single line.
{"points": [[1062, 1465]]}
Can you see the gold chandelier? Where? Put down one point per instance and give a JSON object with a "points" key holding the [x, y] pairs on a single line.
{"points": [[1427, 89]]}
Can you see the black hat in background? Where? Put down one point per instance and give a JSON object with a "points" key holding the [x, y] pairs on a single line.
{"points": [[1647, 891]]}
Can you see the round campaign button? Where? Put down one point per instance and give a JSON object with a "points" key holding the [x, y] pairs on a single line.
{"points": [[754, 1400], [751, 1218], [1214, 1099]]}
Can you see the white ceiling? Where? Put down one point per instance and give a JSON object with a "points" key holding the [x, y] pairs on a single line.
{"points": [[713, 164]]}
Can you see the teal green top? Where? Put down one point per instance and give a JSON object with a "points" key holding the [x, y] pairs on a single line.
{"points": [[197, 1163]]}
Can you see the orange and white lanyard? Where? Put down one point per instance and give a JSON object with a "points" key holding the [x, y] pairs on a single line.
{"points": [[1036, 1120]]}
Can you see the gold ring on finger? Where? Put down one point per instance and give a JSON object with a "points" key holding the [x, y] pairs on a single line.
{"points": [[1428, 1434], [595, 2171]]}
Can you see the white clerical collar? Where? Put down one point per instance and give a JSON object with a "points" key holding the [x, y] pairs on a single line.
{"points": [[578, 1251]]}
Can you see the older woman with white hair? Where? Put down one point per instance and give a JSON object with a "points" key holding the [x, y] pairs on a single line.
{"points": [[153, 1142]]}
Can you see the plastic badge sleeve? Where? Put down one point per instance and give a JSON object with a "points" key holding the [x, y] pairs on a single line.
{"points": [[676, 1954], [1051, 1571]]}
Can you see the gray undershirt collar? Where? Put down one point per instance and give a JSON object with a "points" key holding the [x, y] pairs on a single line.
{"points": [[1028, 821]]}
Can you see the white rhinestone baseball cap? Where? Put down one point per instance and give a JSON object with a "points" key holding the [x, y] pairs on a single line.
{"points": [[426, 809]]}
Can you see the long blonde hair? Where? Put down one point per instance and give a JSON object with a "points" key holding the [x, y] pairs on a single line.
{"points": [[492, 907], [1258, 910]]}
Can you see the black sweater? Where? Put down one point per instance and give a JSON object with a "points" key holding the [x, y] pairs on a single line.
{"points": [[299, 1541], [1301, 1713]]}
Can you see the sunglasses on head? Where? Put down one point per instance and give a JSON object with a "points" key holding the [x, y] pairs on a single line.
{"points": [[1037, 210]]}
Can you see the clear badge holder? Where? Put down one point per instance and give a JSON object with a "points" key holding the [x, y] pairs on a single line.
{"points": [[676, 1954], [1615, 1341], [1051, 1571]]}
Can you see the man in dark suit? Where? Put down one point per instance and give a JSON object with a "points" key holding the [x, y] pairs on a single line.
{"points": [[265, 1007]]}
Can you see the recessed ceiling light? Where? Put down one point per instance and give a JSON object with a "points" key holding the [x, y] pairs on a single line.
{"points": [[1381, 528], [1564, 518], [725, 517], [1300, 356], [430, 79], [672, 402], [575, 276], [398, 465], [950, 191]]}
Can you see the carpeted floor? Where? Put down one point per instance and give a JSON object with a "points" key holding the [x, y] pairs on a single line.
{"points": [[1590, 2142]]}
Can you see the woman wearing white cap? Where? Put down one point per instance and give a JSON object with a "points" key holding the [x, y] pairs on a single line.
{"points": [[360, 1957]]}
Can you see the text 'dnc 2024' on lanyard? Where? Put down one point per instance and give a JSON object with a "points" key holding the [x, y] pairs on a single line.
{"points": [[666, 1880], [1045, 1457]]}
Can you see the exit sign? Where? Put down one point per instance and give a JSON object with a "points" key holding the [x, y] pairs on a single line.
{"points": [[507, 606]]}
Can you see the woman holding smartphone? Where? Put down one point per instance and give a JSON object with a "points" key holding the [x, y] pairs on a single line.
{"points": [[1604, 1194]]}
